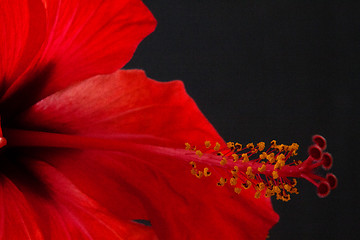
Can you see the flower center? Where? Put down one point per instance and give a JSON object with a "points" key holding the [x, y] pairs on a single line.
{"points": [[270, 172]]}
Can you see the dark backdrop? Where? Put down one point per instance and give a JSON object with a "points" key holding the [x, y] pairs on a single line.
{"points": [[263, 70]]}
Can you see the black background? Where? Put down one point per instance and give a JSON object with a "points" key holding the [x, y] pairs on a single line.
{"points": [[263, 70]]}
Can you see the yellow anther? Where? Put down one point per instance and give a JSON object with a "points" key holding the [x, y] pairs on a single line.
{"points": [[230, 145], [233, 181], [193, 171], [268, 193], [261, 186], [187, 146], [276, 189], [223, 161], [245, 158], [257, 195], [271, 158], [199, 153], [286, 197], [282, 163], [246, 185], [273, 143], [199, 174], [275, 174], [207, 173], [235, 170], [287, 187], [279, 164], [280, 157], [293, 182], [293, 148], [217, 146], [193, 164], [263, 155], [238, 146], [261, 146], [294, 190], [207, 144], [222, 181], [262, 168], [237, 190], [250, 145], [249, 173], [286, 149], [235, 156], [280, 147]]}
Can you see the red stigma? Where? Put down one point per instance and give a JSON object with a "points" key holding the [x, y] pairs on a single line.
{"points": [[315, 152], [332, 180], [327, 161], [323, 189], [320, 141]]}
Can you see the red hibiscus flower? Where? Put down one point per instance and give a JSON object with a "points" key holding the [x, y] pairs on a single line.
{"points": [[84, 154], [46, 46]]}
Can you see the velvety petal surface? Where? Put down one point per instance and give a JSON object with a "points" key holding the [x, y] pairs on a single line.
{"points": [[17, 219], [58, 211], [22, 32], [126, 103], [83, 38], [141, 125]]}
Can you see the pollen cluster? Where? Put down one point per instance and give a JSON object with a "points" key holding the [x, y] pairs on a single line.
{"points": [[270, 172]]}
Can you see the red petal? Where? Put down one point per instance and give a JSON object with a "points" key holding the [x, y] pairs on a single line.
{"points": [[126, 103], [17, 219], [128, 106], [22, 31], [84, 38], [177, 204], [56, 209]]}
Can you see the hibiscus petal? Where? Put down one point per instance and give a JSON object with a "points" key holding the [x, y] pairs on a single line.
{"points": [[59, 211], [17, 220], [84, 38], [22, 31], [126, 103], [178, 205], [148, 169]]}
